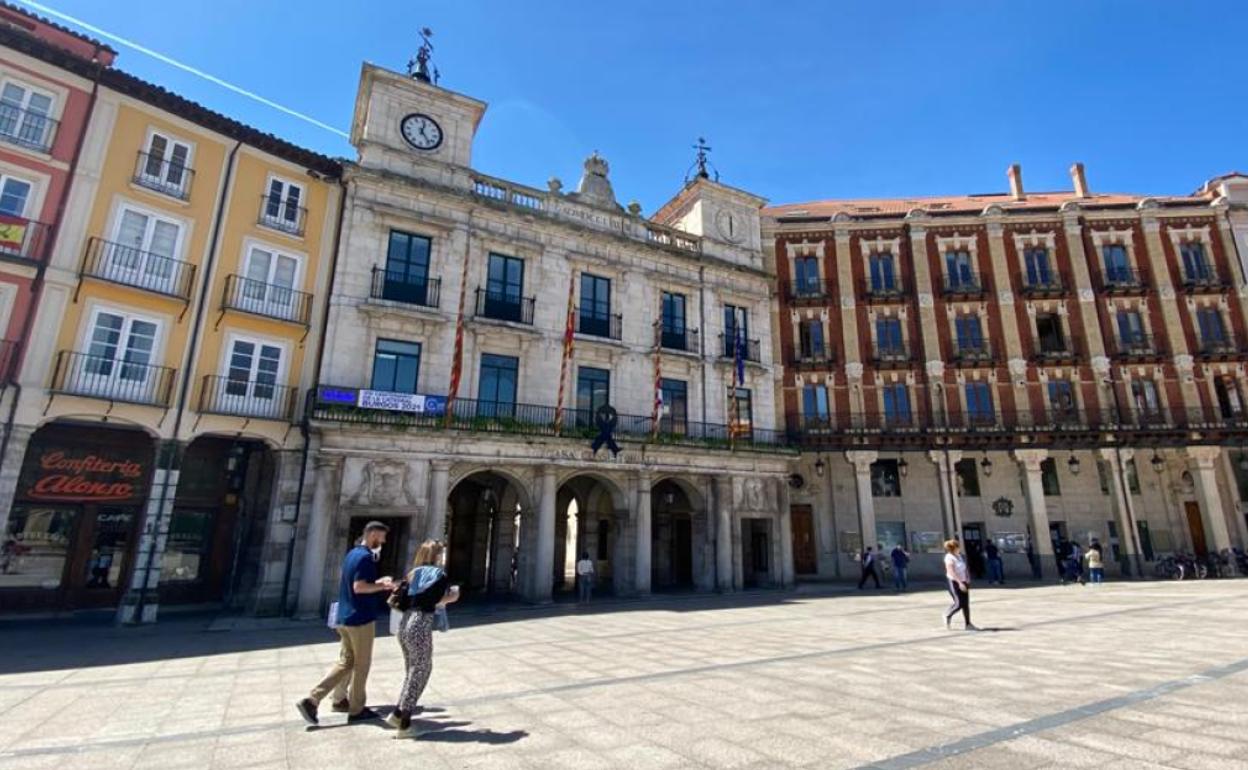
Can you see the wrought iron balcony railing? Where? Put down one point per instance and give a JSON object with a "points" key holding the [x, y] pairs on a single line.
{"points": [[118, 263], [1218, 347], [282, 214], [112, 379], [1041, 284], [1048, 351], [680, 339], [164, 176], [247, 398], [813, 357], [267, 299], [1124, 280], [750, 349], [8, 361], [395, 286], [24, 239], [880, 291], [608, 326], [809, 290], [892, 354], [1204, 279], [501, 306], [972, 353], [27, 128], [1137, 346], [962, 284]]}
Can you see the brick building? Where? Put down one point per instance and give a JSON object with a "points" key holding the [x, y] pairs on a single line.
{"points": [[1027, 367]]}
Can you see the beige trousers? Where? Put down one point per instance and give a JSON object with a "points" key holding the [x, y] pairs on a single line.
{"points": [[354, 659]]}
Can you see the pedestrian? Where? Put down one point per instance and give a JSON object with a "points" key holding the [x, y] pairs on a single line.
{"points": [[585, 577], [1076, 563], [359, 602], [1096, 564], [901, 562], [868, 569], [427, 592], [958, 580], [996, 569]]}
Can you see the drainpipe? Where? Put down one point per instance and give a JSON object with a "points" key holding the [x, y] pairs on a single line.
{"points": [[169, 458], [304, 427], [42, 266]]}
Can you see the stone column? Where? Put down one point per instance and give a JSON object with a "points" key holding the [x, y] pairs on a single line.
{"points": [[438, 479], [1202, 463], [1037, 510], [641, 531], [142, 598], [326, 479], [1124, 509], [866, 502], [952, 519], [848, 299], [544, 564], [723, 532], [11, 469], [788, 575]]}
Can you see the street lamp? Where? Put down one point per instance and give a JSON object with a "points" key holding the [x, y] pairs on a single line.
{"points": [[903, 467], [1073, 464], [986, 465], [819, 466]]}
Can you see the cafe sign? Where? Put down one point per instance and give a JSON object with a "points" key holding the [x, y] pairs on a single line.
{"points": [[83, 476]]}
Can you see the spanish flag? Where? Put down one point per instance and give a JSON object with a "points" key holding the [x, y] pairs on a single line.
{"points": [[12, 232]]}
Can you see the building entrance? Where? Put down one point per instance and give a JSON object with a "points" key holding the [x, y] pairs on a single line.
{"points": [[805, 558], [1196, 525]]}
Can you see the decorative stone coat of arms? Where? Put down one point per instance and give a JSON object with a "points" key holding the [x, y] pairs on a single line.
{"points": [[382, 483]]}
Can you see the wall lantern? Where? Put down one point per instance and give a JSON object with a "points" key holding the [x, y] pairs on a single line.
{"points": [[903, 467], [819, 466], [1073, 464], [986, 465], [1159, 464]]}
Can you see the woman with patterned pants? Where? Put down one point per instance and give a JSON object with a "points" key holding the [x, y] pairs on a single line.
{"points": [[428, 589]]}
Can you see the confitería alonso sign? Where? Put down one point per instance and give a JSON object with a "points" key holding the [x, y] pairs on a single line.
{"points": [[62, 476]]}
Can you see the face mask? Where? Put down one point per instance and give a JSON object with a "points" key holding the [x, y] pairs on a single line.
{"points": [[376, 553]]}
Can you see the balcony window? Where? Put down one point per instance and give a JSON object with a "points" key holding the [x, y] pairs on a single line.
{"points": [[407, 269], [595, 308], [1146, 398], [593, 390], [674, 412], [806, 281], [741, 412], [1049, 333], [672, 331], [815, 405], [1196, 268], [504, 288], [496, 389], [970, 334], [1212, 330], [1062, 398], [1039, 269], [282, 208], [883, 273], [144, 252], [1117, 265], [888, 336], [118, 361], [896, 404], [1131, 330], [885, 479], [1048, 478], [396, 366], [25, 116], [251, 385], [14, 194], [979, 403], [810, 340], [269, 285], [736, 326], [967, 472], [960, 270], [1226, 390], [165, 166]]}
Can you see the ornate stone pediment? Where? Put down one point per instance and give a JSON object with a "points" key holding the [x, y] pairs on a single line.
{"points": [[383, 483]]}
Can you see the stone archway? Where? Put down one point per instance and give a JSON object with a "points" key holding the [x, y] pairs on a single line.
{"points": [[485, 535], [590, 519], [681, 556]]}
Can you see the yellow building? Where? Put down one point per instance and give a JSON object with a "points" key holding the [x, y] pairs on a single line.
{"points": [[157, 419]]}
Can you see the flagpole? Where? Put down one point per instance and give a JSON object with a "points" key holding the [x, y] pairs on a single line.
{"points": [[569, 336], [658, 383], [457, 358]]}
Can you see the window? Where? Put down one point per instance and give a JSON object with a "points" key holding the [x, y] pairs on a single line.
{"points": [[960, 270], [283, 206], [1145, 397], [1226, 390], [14, 194], [970, 334], [595, 310], [1049, 333], [269, 283], [736, 327], [741, 412], [396, 366], [890, 534], [496, 391], [593, 389], [673, 321], [885, 479], [967, 473], [407, 269], [883, 273], [806, 276], [888, 336], [252, 372], [896, 404], [165, 165], [1130, 329], [504, 287], [815, 406], [673, 415], [143, 252], [1117, 266], [1048, 478], [1133, 478], [25, 116], [979, 403], [1062, 398], [120, 349], [1039, 271], [1195, 267], [1212, 331], [810, 339], [46, 535]]}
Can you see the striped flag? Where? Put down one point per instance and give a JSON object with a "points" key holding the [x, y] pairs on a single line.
{"points": [[457, 358], [658, 389], [569, 338]]}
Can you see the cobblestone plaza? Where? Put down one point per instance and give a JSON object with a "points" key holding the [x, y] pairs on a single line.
{"points": [[1132, 675]]}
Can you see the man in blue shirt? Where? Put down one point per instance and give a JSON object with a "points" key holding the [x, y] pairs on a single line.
{"points": [[360, 596]]}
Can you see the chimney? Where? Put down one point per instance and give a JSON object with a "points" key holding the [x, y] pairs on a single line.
{"points": [[1080, 181], [1015, 173]]}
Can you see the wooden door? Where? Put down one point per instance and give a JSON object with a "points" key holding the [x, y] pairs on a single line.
{"points": [[1196, 525], [805, 561]]}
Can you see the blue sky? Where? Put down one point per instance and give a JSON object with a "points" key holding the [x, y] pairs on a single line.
{"points": [[800, 100]]}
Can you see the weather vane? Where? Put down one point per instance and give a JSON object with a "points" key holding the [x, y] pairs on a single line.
{"points": [[419, 67], [701, 162]]}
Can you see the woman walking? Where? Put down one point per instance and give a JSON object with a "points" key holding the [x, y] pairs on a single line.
{"points": [[959, 582], [428, 590]]}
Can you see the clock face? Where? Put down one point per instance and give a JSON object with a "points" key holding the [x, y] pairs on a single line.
{"points": [[731, 225], [421, 131]]}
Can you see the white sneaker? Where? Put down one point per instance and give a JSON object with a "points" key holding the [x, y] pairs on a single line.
{"points": [[392, 719], [948, 623]]}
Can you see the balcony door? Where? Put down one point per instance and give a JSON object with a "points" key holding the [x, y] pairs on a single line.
{"points": [[810, 339], [806, 276], [25, 115], [1117, 266], [1230, 402], [896, 404], [407, 269], [269, 285], [673, 321], [1039, 272], [883, 273], [1147, 400], [673, 416], [1049, 333], [166, 164], [1195, 267], [593, 390], [595, 309], [281, 205], [1212, 331], [888, 336], [960, 269], [496, 391], [253, 371], [970, 334], [15, 226], [979, 403], [736, 328], [120, 351], [142, 251], [504, 287]]}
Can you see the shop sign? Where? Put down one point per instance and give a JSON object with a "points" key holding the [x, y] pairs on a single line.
{"points": [[83, 476]]}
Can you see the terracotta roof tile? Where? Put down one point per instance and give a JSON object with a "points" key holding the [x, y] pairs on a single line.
{"points": [[958, 203]]}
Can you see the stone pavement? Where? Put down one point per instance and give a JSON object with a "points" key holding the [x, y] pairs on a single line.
{"points": [[1143, 675]]}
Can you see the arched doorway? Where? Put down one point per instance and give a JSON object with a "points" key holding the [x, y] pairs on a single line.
{"points": [[678, 536], [485, 548], [589, 514]]}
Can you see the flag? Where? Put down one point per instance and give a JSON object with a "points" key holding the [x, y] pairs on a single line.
{"points": [[658, 392], [569, 338], [457, 357], [739, 355], [12, 232]]}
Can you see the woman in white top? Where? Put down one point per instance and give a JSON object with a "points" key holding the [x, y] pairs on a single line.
{"points": [[959, 582]]}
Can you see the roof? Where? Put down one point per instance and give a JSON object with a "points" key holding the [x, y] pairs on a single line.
{"points": [[964, 204], [129, 85], [675, 207], [8, 11]]}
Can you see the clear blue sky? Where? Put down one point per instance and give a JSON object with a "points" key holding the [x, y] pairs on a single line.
{"points": [[799, 100]]}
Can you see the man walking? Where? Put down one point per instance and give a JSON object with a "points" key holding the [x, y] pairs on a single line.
{"points": [[359, 602], [901, 562], [868, 569], [585, 577], [996, 569]]}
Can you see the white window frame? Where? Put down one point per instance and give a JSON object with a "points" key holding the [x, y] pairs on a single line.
{"points": [[112, 269], [250, 404], [34, 188], [275, 222], [160, 182], [148, 387], [262, 303], [53, 110]]}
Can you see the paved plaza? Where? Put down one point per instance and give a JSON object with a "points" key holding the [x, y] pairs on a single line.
{"points": [[1126, 676]]}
